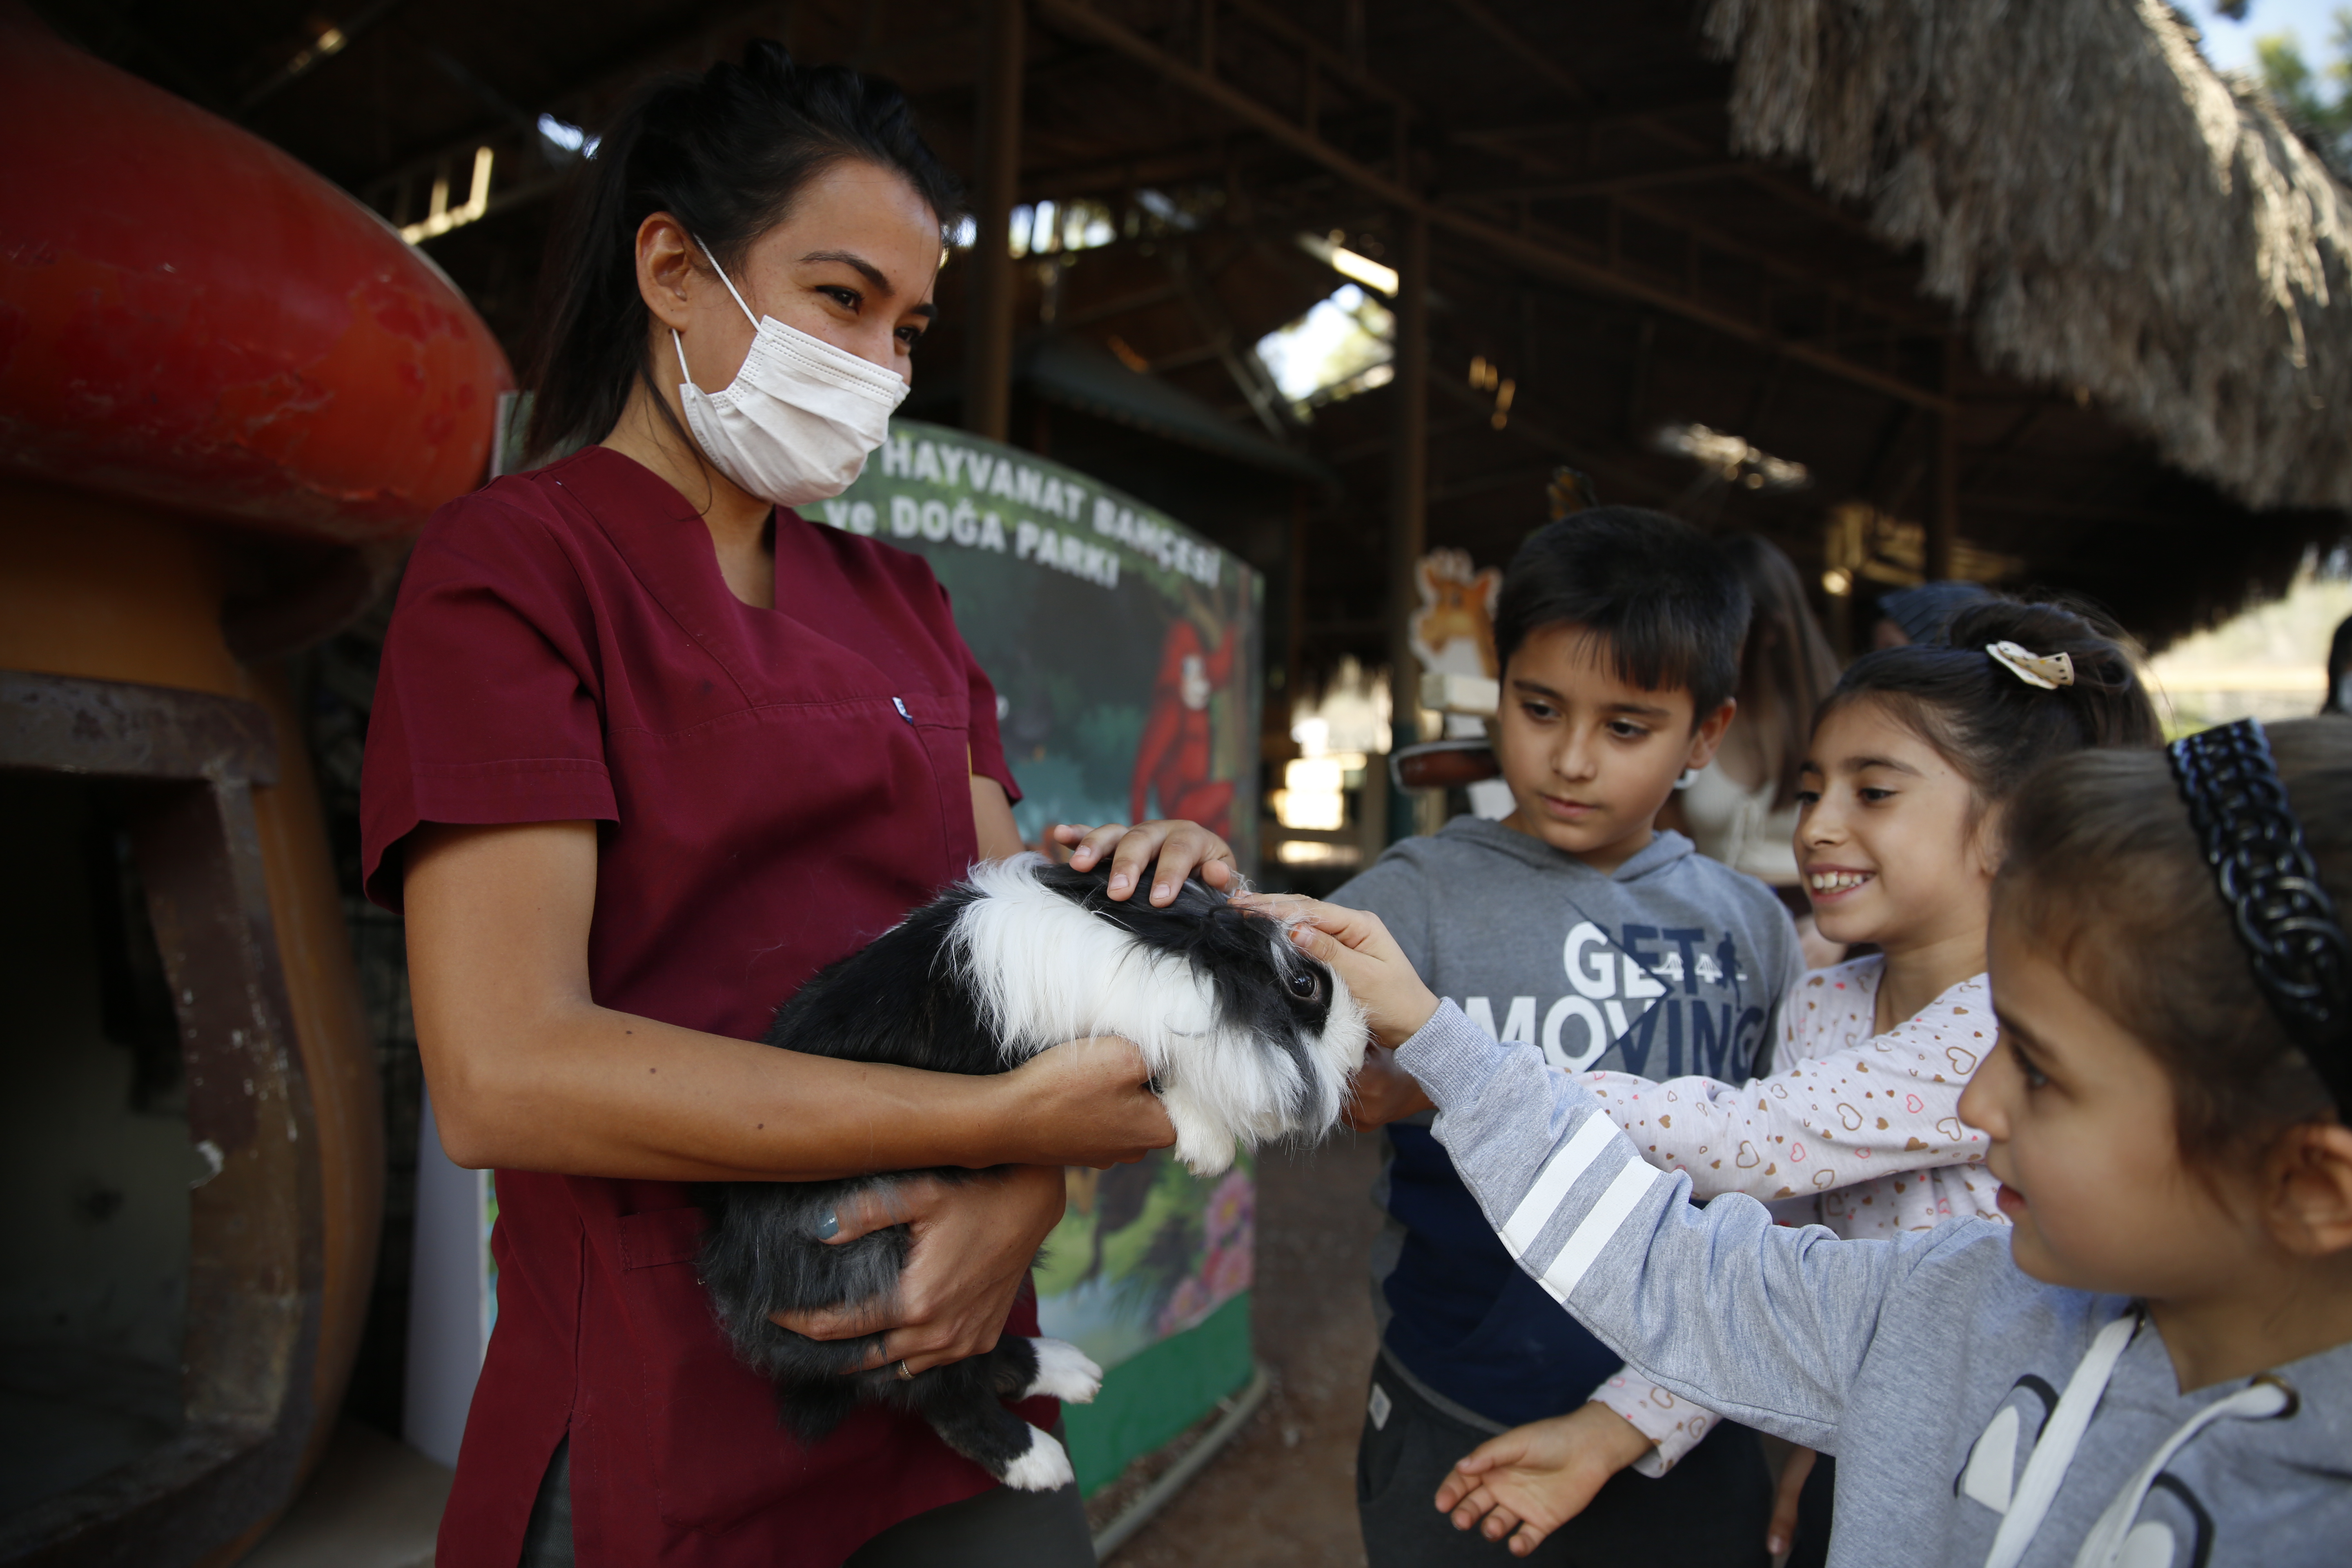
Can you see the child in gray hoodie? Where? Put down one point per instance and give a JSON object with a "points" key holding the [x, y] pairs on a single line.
{"points": [[2153, 1368], [1576, 926]]}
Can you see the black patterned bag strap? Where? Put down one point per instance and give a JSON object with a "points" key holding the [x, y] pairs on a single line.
{"points": [[2282, 914]]}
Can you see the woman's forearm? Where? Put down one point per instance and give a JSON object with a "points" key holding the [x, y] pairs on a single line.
{"points": [[589, 1091], [533, 1075], [528, 1072]]}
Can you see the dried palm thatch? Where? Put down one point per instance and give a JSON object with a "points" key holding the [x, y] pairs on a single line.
{"points": [[2110, 211]]}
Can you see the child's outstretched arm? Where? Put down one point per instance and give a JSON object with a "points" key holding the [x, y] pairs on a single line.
{"points": [[1765, 1324], [1824, 1123]]}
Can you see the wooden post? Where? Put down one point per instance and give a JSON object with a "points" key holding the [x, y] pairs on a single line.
{"points": [[1293, 615], [988, 362], [1408, 488], [1944, 502]]}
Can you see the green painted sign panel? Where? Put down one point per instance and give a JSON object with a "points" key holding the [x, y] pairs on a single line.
{"points": [[1126, 652], [1125, 648]]}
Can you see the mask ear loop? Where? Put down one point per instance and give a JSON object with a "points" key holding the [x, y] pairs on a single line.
{"points": [[713, 259], [679, 342]]}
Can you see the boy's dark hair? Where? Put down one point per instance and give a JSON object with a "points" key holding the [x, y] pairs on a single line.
{"points": [[1670, 608], [1992, 726], [726, 154], [2104, 870]]}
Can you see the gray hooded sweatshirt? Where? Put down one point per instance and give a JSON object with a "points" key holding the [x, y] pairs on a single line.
{"points": [[1669, 965], [2050, 1432]]}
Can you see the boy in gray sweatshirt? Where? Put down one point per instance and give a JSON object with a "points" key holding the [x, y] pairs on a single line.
{"points": [[1576, 927]]}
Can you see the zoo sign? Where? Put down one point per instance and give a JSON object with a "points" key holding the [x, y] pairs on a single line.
{"points": [[985, 497]]}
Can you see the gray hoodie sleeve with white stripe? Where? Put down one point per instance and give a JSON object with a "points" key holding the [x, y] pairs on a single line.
{"points": [[1852, 1348], [1561, 1183]]}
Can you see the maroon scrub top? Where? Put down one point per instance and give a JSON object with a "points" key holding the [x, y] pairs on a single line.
{"points": [[772, 790]]}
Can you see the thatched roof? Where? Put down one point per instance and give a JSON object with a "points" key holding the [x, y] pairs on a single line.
{"points": [[2110, 211]]}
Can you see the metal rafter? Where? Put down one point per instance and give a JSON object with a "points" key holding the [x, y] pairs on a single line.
{"points": [[1534, 433], [1526, 249], [1523, 48], [1627, 192], [1324, 60], [1603, 184], [1240, 362]]}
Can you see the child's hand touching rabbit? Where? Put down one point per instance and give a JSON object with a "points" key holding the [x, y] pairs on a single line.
{"points": [[1360, 949]]}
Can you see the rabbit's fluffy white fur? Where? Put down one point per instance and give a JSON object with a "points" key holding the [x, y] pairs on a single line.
{"points": [[1047, 969]]}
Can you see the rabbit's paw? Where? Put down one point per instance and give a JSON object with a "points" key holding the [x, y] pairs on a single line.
{"points": [[1064, 1372], [1044, 1468]]}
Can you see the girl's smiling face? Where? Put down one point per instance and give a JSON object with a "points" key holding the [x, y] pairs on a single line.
{"points": [[1892, 845]]}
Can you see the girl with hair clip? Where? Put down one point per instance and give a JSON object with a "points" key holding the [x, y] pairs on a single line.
{"points": [[1913, 758], [2151, 1367], [648, 749]]}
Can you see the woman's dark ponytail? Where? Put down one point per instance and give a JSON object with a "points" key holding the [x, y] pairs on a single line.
{"points": [[726, 154], [1995, 726]]}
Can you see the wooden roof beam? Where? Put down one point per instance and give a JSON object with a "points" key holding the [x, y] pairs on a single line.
{"points": [[1241, 362], [1362, 450], [1627, 192], [1523, 48], [1122, 305], [1908, 313], [2088, 512], [1493, 479], [1325, 59], [1797, 193], [1607, 184], [1634, 115], [1882, 328], [1541, 437], [1525, 250]]}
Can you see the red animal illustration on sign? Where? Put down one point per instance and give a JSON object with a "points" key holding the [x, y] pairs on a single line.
{"points": [[1172, 762]]}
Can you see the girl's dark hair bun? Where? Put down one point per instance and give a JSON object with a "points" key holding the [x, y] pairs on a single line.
{"points": [[1994, 725]]}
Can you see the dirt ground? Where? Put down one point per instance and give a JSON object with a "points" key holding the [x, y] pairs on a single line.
{"points": [[1284, 1490]]}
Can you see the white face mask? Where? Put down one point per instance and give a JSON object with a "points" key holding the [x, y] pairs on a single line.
{"points": [[796, 423]]}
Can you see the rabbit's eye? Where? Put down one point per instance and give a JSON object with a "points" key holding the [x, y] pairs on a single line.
{"points": [[1304, 986]]}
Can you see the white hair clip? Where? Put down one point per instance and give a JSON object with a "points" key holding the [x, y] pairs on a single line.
{"points": [[2047, 672]]}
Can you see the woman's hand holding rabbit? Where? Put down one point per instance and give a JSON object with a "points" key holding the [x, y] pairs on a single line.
{"points": [[973, 1243], [1083, 1102]]}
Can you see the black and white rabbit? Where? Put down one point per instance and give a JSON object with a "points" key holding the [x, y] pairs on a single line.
{"points": [[1248, 1039]]}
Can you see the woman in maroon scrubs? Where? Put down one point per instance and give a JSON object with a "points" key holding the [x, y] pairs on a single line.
{"points": [[648, 749]]}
